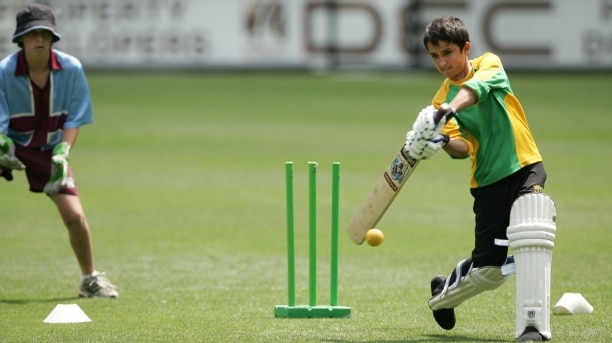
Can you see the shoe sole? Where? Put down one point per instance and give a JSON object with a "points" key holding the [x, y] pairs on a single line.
{"points": [[531, 334], [446, 316], [82, 295]]}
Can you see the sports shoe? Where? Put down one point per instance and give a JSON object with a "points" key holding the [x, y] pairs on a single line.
{"points": [[446, 316], [531, 334], [97, 285]]}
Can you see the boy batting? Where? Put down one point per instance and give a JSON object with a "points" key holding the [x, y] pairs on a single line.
{"points": [[507, 180]]}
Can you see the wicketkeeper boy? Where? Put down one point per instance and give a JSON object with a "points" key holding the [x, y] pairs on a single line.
{"points": [[44, 100], [507, 180]]}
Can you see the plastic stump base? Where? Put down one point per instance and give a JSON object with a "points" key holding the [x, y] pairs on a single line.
{"points": [[305, 311]]}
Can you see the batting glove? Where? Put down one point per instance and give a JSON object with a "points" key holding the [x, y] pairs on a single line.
{"points": [[7, 154], [446, 112], [424, 126], [422, 149], [59, 170]]}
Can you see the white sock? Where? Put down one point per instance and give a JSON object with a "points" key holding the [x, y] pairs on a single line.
{"points": [[85, 276]]}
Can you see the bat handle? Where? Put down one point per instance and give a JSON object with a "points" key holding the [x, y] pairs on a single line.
{"points": [[445, 111]]}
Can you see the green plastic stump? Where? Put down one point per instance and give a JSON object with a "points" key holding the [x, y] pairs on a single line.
{"points": [[318, 311], [291, 310]]}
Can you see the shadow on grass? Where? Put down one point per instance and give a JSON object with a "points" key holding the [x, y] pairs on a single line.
{"points": [[430, 338], [31, 301]]}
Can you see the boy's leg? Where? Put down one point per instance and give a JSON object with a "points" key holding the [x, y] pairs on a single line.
{"points": [[93, 283], [463, 283], [72, 214], [482, 271]]}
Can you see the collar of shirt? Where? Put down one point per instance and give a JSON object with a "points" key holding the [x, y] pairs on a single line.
{"points": [[22, 66]]}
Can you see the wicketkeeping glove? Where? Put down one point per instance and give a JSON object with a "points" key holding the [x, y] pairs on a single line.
{"points": [[7, 174], [7, 154], [59, 170]]}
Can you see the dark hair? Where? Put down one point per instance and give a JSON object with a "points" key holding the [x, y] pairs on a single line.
{"points": [[446, 29]]}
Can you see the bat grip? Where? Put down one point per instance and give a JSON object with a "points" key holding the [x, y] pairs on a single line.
{"points": [[445, 111]]}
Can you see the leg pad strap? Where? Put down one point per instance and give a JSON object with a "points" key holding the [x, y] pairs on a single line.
{"points": [[475, 282]]}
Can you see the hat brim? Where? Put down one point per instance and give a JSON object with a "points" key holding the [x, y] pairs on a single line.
{"points": [[37, 26]]}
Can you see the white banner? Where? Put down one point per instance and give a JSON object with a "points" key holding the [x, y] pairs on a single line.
{"points": [[532, 34]]}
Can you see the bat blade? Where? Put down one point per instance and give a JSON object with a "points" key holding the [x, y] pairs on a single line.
{"points": [[382, 195]]}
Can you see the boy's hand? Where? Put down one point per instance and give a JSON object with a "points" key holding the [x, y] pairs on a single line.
{"points": [[430, 121], [424, 126], [7, 154], [59, 170], [6, 173], [422, 149]]}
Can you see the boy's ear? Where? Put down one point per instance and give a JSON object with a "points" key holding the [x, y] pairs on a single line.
{"points": [[467, 48]]}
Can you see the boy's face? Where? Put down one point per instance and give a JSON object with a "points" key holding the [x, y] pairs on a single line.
{"points": [[37, 41], [450, 60]]}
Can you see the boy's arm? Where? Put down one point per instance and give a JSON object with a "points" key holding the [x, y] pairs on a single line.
{"points": [[70, 136], [456, 148], [464, 98]]}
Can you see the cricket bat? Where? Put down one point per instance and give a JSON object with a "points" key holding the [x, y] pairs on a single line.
{"points": [[385, 190], [380, 198]]}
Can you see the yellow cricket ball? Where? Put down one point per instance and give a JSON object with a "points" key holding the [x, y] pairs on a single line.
{"points": [[374, 237]]}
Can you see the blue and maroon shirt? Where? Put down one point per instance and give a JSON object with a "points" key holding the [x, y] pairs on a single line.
{"points": [[35, 117]]}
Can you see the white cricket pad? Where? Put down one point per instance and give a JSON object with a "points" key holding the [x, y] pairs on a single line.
{"points": [[531, 236], [476, 281]]}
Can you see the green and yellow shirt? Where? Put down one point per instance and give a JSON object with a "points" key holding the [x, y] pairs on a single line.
{"points": [[495, 128]]}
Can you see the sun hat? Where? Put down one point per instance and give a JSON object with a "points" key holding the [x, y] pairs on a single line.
{"points": [[34, 17]]}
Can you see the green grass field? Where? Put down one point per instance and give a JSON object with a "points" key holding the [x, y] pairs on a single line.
{"points": [[182, 178]]}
